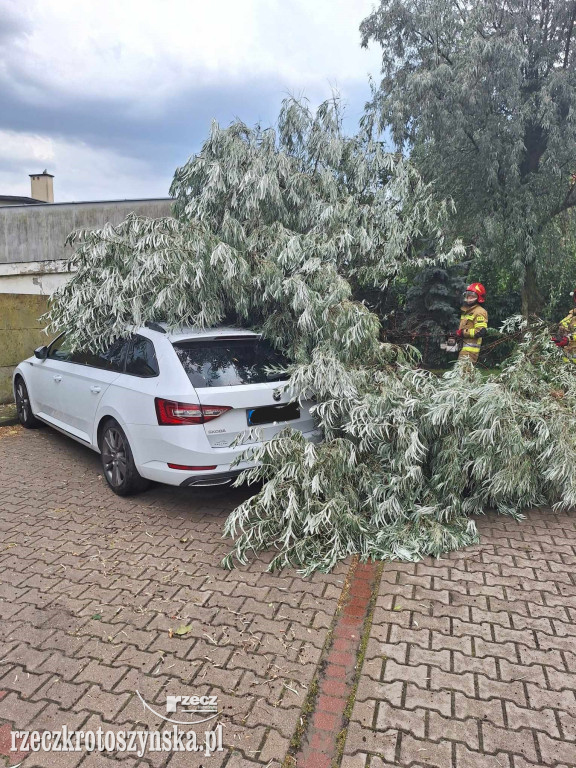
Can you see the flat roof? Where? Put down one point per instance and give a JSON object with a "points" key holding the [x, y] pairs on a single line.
{"points": [[36, 203], [21, 199]]}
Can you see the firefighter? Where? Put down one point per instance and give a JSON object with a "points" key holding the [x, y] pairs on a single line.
{"points": [[473, 322], [566, 338]]}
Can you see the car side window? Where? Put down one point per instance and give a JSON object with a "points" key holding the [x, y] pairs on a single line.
{"points": [[141, 360], [111, 359], [59, 349]]}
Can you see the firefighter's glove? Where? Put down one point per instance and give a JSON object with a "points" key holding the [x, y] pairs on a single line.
{"points": [[562, 341], [459, 334]]}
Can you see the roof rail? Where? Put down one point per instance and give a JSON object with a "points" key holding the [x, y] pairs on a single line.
{"points": [[155, 327]]}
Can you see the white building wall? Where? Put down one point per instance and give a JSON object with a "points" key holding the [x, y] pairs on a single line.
{"points": [[33, 258], [33, 277]]}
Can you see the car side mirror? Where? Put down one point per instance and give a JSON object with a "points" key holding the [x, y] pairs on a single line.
{"points": [[41, 353]]}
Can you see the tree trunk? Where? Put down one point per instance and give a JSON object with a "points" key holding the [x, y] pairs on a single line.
{"points": [[531, 298]]}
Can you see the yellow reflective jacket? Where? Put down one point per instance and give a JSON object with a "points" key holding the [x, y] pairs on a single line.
{"points": [[567, 327], [472, 320]]}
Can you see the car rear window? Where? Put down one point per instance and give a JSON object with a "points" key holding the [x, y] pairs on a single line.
{"points": [[228, 362]]}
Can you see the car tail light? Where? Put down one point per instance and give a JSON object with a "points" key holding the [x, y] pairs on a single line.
{"points": [[213, 411], [192, 469], [170, 412]]}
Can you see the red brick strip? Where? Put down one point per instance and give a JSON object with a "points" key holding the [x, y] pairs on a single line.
{"points": [[339, 671], [14, 758]]}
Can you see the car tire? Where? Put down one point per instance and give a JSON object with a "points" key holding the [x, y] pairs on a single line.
{"points": [[118, 462], [23, 405]]}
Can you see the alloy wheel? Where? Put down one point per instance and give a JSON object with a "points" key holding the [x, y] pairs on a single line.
{"points": [[22, 402], [114, 456]]}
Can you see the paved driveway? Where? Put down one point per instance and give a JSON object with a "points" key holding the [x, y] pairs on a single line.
{"points": [[91, 584], [469, 661]]}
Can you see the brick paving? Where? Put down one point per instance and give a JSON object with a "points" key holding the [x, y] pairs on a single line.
{"points": [[470, 661], [90, 585], [339, 669]]}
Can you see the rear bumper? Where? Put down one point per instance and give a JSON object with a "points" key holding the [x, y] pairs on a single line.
{"points": [[155, 447], [160, 472], [214, 479]]}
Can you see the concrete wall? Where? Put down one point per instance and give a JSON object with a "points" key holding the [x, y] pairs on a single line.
{"points": [[21, 331], [39, 277], [33, 259], [32, 233], [34, 262]]}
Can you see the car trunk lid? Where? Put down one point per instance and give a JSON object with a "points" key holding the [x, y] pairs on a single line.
{"points": [[233, 372], [264, 407]]}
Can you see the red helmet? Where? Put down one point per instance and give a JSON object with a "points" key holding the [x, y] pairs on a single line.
{"points": [[479, 290]]}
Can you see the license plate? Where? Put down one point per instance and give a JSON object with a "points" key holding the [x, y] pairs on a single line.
{"points": [[270, 413]]}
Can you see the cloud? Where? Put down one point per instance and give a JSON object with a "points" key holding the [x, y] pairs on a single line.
{"points": [[88, 170], [143, 51], [140, 81], [14, 23]]}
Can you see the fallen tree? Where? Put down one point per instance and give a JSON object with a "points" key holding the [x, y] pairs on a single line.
{"points": [[410, 459], [281, 230], [275, 228]]}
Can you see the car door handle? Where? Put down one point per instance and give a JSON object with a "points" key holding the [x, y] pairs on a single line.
{"points": [[57, 378], [94, 389]]}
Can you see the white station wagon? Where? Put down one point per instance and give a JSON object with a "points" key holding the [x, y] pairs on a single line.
{"points": [[159, 405]]}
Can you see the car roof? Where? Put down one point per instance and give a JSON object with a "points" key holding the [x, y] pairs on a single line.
{"points": [[186, 332]]}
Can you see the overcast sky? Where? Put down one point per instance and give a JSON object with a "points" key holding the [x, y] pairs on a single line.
{"points": [[112, 95]]}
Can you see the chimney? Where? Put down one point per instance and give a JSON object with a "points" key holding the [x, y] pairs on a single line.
{"points": [[42, 186]]}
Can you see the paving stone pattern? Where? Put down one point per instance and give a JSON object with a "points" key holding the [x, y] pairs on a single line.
{"points": [[338, 671], [471, 661], [90, 585]]}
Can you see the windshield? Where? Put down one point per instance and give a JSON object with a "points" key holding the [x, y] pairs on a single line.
{"points": [[229, 362]]}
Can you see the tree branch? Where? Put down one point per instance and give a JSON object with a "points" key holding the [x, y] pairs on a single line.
{"points": [[472, 140], [569, 37], [568, 202], [460, 11], [434, 45]]}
